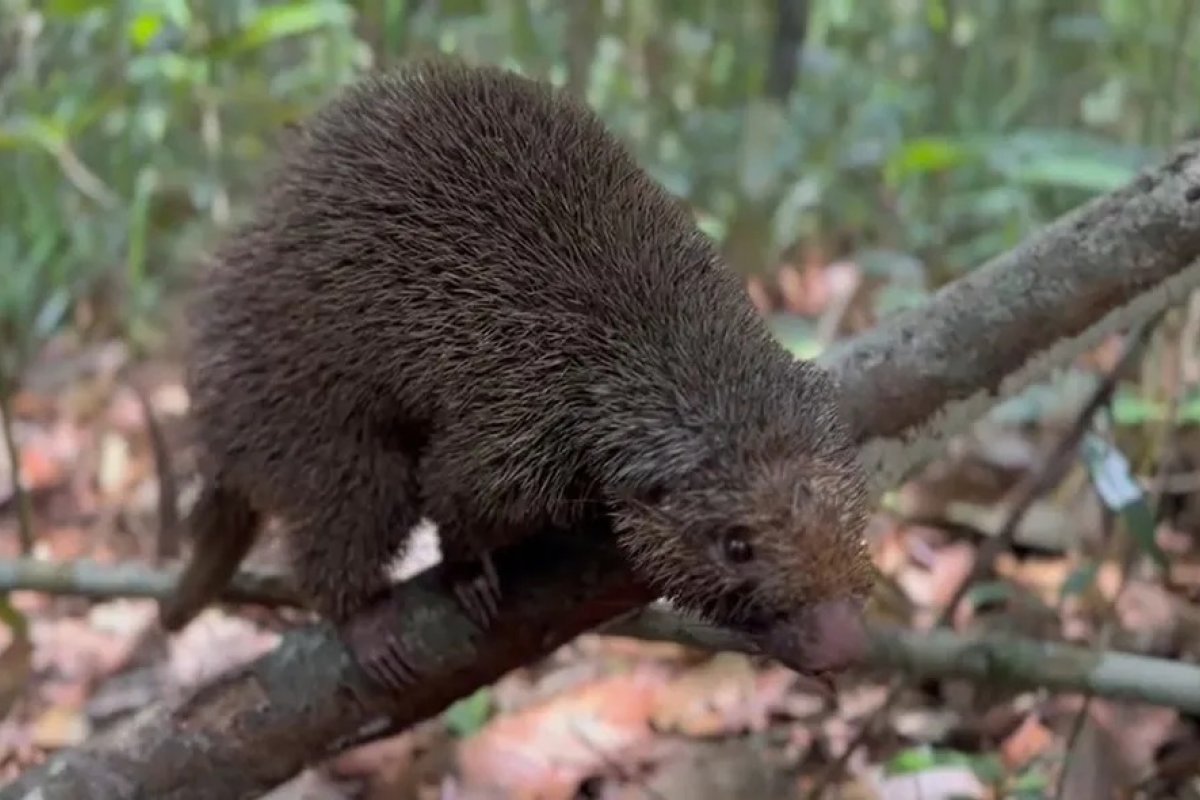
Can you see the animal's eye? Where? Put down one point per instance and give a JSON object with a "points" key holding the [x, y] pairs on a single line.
{"points": [[736, 546]]}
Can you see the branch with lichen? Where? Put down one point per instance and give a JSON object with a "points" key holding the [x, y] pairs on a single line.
{"points": [[910, 384]]}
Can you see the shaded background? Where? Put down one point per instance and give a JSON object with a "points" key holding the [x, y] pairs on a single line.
{"points": [[850, 157]]}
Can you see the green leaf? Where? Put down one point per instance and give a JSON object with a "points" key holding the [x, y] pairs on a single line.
{"points": [[929, 154], [920, 759], [469, 714], [1130, 408], [273, 23], [1073, 172], [143, 28], [38, 131], [74, 8]]}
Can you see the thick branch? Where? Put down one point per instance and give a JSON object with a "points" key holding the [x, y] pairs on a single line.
{"points": [[1114, 262], [914, 380], [254, 727]]}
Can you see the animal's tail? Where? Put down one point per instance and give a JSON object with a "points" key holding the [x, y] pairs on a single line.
{"points": [[224, 527]]}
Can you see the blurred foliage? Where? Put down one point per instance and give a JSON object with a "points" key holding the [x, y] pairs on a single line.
{"points": [[929, 132]]}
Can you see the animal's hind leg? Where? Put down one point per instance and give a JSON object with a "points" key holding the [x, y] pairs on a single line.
{"points": [[343, 538]]}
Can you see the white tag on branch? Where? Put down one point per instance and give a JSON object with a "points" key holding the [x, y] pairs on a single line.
{"points": [[1111, 474]]}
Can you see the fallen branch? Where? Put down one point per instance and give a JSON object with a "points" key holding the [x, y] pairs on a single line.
{"points": [[96, 581], [992, 659], [989, 659], [911, 383]]}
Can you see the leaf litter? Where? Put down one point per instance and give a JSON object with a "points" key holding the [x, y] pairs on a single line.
{"points": [[614, 717]]}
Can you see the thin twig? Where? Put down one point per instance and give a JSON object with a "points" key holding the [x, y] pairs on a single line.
{"points": [[1109, 612], [20, 495], [987, 659], [167, 542], [97, 581], [1051, 470]]}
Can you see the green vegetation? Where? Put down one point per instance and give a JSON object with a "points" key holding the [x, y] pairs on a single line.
{"points": [[929, 133]]}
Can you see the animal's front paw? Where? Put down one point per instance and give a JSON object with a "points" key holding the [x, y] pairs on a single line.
{"points": [[381, 653], [477, 588]]}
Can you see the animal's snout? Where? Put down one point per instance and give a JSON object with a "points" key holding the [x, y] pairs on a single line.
{"points": [[824, 638]]}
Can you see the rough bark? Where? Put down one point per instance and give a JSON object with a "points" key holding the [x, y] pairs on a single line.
{"points": [[910, 384], [1113, 262]]}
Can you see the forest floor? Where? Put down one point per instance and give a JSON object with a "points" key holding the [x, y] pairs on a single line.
{"points": [[609, 717]]}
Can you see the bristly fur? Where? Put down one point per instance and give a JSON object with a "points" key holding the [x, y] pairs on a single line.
{"points": [[461, 297]]}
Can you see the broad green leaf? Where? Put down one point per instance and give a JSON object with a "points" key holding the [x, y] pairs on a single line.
{"points": [[1075, 172]]}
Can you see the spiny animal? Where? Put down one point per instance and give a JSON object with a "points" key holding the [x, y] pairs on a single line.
{"points": [[460, 297]]}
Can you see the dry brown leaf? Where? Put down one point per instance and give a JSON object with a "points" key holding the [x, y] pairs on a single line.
{"points": [[58, 727], [74, 651], [399, 767], [213, 643], [311, 784], [624, 648], [1030, 740], [1138, 730], [1092, 770], [1044, 577], [1148, 618], [724, 695], [715, 771], [934, 587], [546, 751], [113, 472], [16, 667]]}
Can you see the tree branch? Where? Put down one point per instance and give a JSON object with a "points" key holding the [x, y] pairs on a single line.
{"points": [[987, 659], [911, 383], [96, 581], [925, 375], [992, 659]]}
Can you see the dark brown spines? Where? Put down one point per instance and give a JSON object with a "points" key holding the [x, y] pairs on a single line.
{"points": [[460, 297]]}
